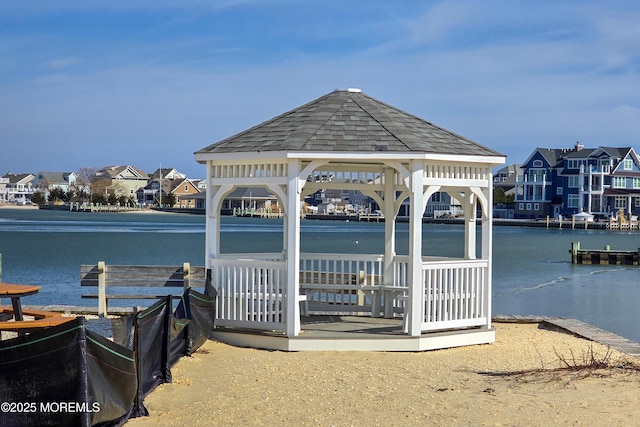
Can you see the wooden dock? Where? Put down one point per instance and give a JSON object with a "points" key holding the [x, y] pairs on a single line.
{"points": [[604, 256]]}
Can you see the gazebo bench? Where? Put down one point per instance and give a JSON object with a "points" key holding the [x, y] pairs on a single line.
{"points": [[334, 286]]}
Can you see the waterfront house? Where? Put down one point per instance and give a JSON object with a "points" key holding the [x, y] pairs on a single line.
{"points": [[250, 201], [562, 182], [45, 182], [184, 189], [443, 301], [121, 180], [167, 173], [152, 193], [17, 188]]}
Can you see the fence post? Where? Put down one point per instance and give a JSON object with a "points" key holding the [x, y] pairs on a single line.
{"points": [[186, 275], [102, 292], [575, 248]]}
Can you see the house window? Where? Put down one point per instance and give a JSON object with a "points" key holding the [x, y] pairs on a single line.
{"points": [[528, 206], [628, 164], [637, 201], [636, 182], [521, 206], [186, 188], [619, 182], [536, 175], [620, 202], [559, 191], [572, 200], [536, 206], [574, 181], [537, 163]]}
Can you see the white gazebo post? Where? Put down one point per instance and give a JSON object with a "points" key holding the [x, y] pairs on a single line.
{"points": [[416, 285], [389, 212], [469, 202], [212, 232], [487, 241], [292, 248]]}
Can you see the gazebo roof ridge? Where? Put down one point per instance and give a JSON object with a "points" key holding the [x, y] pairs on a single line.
{"points": [[347, 121]]}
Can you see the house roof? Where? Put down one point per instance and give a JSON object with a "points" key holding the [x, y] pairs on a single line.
{"points": [[54, 177], [18, 178], [348, 121], [125, 171]]}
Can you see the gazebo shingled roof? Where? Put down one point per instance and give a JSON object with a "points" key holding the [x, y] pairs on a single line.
{"points": [[348, 121]]}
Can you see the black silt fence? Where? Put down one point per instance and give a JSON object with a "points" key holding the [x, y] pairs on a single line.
{"points": [[67, 375]]}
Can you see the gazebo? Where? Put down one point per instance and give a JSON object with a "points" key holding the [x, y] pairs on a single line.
{"points": [[348, 140]]}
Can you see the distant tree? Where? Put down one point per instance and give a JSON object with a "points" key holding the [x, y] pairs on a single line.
{"points": [[499, 196], [81, 195], [57, 195], [168, 200], [99, 186], [98, 198], [38, 198]]}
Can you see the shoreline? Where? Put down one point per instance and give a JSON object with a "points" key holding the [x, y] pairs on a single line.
{"points": [[531, 223]]}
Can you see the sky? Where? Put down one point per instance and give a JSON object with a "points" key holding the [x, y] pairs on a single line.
{"points": [[147, 83]]}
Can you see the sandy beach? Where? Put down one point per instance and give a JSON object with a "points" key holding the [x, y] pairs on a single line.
{"points": [[517, 381]]}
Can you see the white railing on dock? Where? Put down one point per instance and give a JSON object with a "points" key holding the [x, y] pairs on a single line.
{"points": [[455, 293], [251, 293]]}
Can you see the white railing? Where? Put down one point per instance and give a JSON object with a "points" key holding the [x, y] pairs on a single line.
{"points": [[251, 293], [252, 288], [455, 293], [447, 171], [249, 170], [339, 282], [267, 256]]}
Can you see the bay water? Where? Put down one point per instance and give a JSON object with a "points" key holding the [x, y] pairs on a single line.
{"points": [[532, 270]]}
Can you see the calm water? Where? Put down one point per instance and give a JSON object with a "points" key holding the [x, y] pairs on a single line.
{"points": [[532, 272]]}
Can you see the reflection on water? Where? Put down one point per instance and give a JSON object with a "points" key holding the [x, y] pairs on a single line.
{"points": [[532, 273]]}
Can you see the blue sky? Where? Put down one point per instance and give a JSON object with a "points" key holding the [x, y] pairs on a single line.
{"points": [[148, 82]]}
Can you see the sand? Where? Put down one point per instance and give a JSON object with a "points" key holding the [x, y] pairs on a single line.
{"points": [[470, 386]]}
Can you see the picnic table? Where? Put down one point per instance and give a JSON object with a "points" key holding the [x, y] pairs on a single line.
{"points": [[15, 292], [42, 319]]}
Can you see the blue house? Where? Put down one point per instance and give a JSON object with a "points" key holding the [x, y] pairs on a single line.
{"points": [[602, 181]]}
